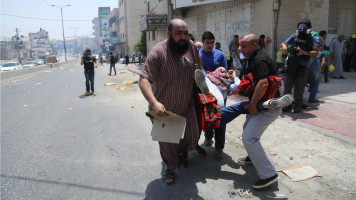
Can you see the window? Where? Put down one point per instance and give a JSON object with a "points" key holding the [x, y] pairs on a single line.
{"points": [[153, 35]]}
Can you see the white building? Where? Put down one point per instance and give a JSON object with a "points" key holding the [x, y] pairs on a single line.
{"points": [[130, 12], [39, 42]]}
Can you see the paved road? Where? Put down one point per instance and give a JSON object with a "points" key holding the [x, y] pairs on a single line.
{"points": [[58, 144]]}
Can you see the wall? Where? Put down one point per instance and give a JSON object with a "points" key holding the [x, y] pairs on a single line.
{"points": [[135, 9]]}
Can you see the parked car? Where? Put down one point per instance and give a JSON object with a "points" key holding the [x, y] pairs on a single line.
{"points": [[9, 66], [51, 59], [122, 60], [40, 62], [29, 64]]}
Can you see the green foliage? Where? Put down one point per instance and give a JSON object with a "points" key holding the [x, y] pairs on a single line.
{"points": [[141, 44]]}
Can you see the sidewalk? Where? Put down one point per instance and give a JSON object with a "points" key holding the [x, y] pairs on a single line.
{"points": [[333, 116]]}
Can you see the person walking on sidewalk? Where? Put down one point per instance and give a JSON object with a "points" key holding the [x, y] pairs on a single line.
{"points": [[112, 63], [234, 50], [89, 63], [336, 48], [261, 66], [167, 81]]}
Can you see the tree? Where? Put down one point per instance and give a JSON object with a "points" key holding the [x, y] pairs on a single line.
{"points": [[141, 44]]}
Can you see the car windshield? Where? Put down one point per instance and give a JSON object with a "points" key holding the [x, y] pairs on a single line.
{"points": [[30, 62], [9, 65]]}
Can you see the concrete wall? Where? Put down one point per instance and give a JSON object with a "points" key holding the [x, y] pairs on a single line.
{"points": [[7, 75]]}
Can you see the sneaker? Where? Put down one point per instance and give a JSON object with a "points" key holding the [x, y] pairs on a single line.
{"points": [[208, 142], [281, 102], [244, 161], [87, 93], [200, 81], [262, 183], [200, 150]]}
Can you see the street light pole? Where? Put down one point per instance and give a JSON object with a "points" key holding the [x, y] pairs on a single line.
{"points": [[64, 40]]}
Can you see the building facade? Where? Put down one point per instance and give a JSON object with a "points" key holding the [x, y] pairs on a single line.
{"points": [[276, 19], [40, 46]]}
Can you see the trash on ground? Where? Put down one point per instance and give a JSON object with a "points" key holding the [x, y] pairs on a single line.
{"points": [[70, 108], [108, 84], [122, 88], [241, 192], [130, 82], [122, 72], [132, 106], [38, 83], [300, 173], [25, 105], [240, 137], [291, 158], [272, 153]]}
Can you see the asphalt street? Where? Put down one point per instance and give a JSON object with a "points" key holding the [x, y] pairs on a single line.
{"points": [[57, 143]]}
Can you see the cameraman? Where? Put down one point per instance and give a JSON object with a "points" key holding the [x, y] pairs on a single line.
{"points": [[88, 60], [299, 46]]}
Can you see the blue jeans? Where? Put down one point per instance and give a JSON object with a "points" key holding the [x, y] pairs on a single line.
{"points": [[314, 72], [112, 65], [89, 77], [231, 112]]}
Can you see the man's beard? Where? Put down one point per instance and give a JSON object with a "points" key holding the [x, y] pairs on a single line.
{"points": [[176, 47]]}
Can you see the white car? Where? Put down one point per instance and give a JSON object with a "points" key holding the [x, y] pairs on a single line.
{"points": [[40, 62], [9, 66], [30, 64]]}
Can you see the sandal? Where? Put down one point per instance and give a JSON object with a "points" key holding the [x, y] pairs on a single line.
{"points": [[169, 177]]}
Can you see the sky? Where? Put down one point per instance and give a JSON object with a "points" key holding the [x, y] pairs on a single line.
{"points": [[82, 10]]}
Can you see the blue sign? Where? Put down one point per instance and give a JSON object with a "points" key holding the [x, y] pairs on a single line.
{"points": [[67, 47]]}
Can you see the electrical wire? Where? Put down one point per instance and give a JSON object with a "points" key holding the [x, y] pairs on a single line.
{"points": [[39, 18]]}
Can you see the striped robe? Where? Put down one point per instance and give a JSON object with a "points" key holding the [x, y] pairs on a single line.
{"points": [[172, 81]]}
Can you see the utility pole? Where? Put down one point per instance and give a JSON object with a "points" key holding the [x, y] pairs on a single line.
{"points": [[17, 46], [64, 40]]}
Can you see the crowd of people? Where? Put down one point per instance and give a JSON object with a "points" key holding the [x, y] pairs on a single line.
{"points": [[192, 79], [167, 83]]}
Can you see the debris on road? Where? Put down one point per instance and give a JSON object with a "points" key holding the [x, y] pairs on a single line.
{"points": [[272, 153], [241, 192], [122, 88], [132, 106], [108, 84], [300, 173], [130, 82]]}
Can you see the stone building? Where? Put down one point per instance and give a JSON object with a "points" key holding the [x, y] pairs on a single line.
{"points": [[276, 19]]}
